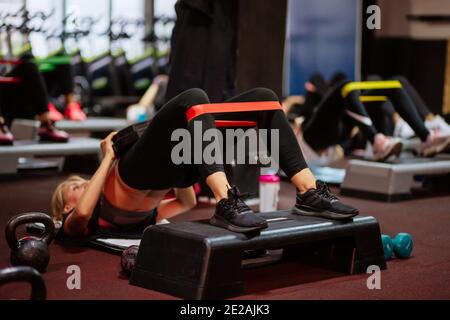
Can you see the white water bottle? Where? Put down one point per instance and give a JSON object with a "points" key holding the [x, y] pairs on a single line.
{"points": [[269, 186]]}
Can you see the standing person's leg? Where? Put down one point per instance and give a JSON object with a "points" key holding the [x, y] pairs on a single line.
{"points": [[51, 83], [66, 86], [6, 138], [32, 91], [29, 99]]}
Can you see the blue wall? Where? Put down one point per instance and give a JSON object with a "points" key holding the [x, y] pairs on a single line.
{"points": [[321, 37]]}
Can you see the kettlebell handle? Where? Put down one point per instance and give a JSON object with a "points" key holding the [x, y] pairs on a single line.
{"points": [[14, 222], [27, 274]]}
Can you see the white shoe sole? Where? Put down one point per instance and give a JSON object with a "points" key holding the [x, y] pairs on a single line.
{"points": [[436, 149], [395, 149]]}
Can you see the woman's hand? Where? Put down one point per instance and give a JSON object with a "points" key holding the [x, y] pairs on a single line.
{"points": [[107, 146]]}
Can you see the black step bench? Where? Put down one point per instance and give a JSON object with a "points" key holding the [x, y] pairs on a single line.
{"points": [[195, 260]]}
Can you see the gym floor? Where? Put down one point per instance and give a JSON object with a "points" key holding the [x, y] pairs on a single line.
{"points": [[426, 275]]}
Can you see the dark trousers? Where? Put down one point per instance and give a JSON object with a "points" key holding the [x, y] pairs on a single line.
{"points": [[25, 99]]}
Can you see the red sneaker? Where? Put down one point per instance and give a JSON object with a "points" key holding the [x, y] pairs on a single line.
{"points": [[74, 112], [55, 115], [47, 132], [6, 137]]}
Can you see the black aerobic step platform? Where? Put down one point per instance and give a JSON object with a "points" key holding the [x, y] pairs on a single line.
{"points": [[195, 260]]}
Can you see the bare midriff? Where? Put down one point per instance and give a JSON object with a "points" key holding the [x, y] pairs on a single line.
{"points": [[122, 196]]}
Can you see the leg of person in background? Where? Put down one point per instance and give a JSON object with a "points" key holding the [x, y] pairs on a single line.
{"points": [[432, 121], [382, 114], [6, 138], [326, 126], [73, 109], [433, 142], [51, 83], [420, 105], [59, 82], [29, 99]]}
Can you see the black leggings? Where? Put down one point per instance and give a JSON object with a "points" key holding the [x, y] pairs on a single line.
{"points": [[59, 81], [148, 164], [382, 112], [402, 103], [25, 99], [334, 117], [420, 105]]}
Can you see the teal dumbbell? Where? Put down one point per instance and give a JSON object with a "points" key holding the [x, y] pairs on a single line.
{"points": [[387, 246], [402, 245]]}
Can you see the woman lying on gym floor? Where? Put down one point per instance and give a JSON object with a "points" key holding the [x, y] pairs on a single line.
{"points": [[26, 99], [335, 118], [129, 189]]}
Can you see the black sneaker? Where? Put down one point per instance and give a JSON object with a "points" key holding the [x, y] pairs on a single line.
{"points": [[233, 214], [321, 203]]}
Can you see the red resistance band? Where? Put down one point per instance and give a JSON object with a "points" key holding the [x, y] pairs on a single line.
{"points": [[13, 62], [228, 107], [9, 80]]}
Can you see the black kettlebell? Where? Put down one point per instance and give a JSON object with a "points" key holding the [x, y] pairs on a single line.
{"points": [[128, 259], [26, 274], [30, 251]]}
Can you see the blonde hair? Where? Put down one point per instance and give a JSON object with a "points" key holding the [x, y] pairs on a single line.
{"points": [[58, 202]]}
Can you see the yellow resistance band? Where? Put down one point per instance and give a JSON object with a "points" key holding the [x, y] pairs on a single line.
{"points": [[373, 98], [370, 85]]}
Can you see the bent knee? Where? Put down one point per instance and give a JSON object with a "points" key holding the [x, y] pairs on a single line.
{"points": [[196, 95], [264, 94], [402, 79]]}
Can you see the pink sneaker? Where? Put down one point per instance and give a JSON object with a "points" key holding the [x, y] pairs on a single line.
{"points": [[47, 132], [436, 143], [74, 112], [55, 115], [384, 147], [6, 137]]}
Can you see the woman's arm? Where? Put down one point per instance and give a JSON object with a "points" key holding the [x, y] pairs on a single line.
{"points": [[185, 200], [78, 220], [149, 97]]}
